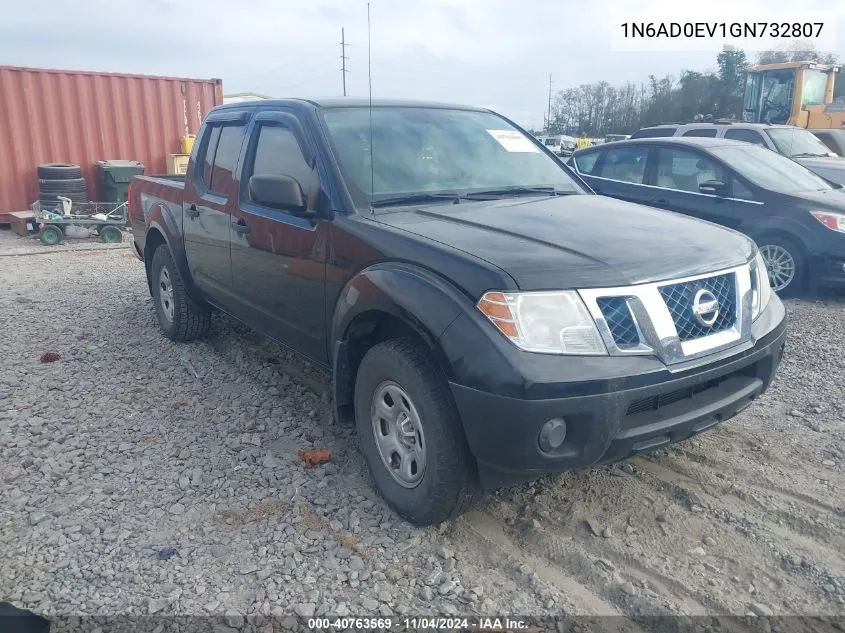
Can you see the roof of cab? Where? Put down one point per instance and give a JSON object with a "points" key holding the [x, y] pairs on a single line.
{"points": [[347, 102]]}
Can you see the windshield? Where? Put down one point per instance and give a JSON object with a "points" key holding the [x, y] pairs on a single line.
{"points": [[465, 151], [794, 142], [770, 170]]}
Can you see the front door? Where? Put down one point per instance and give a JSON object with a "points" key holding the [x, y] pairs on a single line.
{"points": [[279, 258], [206, 211], [677, 177]]}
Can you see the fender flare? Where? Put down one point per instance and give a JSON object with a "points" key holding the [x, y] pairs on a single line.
{"points": [[421, 299], [789, 228], [162, 219]]}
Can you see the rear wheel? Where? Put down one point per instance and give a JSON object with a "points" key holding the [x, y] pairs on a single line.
{"points": [[51, 235], [785, 264], [180, 317], [410, 434], [110, 234]]}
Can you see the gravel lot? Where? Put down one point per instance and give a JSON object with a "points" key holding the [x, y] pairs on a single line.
{"points": [[131, 486]]}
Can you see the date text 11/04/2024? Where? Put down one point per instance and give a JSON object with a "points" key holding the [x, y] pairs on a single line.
{"points": [[722, 29], [479, 625]]}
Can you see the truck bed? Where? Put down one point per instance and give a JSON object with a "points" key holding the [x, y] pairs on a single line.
{"points": [[146, 192]]}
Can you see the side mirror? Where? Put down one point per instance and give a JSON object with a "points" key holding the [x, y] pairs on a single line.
{"points": [[278, 192], [713, 188]]}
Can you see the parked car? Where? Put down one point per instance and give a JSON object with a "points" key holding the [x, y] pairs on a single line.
{"points": [[610, 138], [796, 217], [833, 139], [559, 144], [793, 142], [485, 317]]}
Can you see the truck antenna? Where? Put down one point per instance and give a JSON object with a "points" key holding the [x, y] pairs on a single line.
{"points": [[370, 80]]}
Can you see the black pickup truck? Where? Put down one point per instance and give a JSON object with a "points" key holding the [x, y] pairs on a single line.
{"points": [[486, 317]]}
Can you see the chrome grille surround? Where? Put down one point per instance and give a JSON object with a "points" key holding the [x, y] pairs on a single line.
{"points": [[657, 333]]}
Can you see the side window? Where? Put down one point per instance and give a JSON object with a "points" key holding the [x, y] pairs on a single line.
{"points": [[654, 132], [226, 157], [685, 170], [702, 131], [221, 156], [210, 149], [625, 163], [746, 135], [586, 162], [741, 191], [827, 139], [277, 153]]}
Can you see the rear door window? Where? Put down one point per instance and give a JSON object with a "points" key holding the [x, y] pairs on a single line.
{"points": [[707, 132], [685, 170], [226, 157], [221, 156], [626, 164], [210, 149], [746, 135]]}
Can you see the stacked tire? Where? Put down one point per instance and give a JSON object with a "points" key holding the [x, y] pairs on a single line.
{"points": [[59, 179]]}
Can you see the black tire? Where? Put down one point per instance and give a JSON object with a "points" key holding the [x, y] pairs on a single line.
{"points": [[58, 171], [449, 485], [190, 320], [51, 235], [72, 185], [769, 243], [110, 234]]}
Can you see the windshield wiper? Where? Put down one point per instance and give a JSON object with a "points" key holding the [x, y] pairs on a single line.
{"points": [[808, 155], [416, 198], [518, 191]]}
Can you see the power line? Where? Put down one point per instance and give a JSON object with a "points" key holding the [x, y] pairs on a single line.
{"points": [[343, 57]]}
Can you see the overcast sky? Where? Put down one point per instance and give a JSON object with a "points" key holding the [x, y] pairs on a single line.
{"points": [[495, 53]]}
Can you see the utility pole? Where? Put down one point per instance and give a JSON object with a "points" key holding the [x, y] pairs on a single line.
{"points": [[549, 113], [343, 57]]}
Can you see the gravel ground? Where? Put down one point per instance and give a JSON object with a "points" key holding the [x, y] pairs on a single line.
{"points": [[140, 476]]}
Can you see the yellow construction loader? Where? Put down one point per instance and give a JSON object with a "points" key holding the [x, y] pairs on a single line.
{"points": [[794, 93]]}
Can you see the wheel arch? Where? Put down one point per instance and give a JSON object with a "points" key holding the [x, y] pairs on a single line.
{"points": [[388, 301], [162, 228]]}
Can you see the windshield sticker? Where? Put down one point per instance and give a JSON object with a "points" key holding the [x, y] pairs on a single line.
{"points": [[513, 141]]}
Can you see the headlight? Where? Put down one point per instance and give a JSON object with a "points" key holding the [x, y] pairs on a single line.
{"points": [[833, 221], [546, 322], [761, 291]]}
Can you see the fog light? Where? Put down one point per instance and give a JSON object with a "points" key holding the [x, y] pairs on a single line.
{"points": [[552, 435]]}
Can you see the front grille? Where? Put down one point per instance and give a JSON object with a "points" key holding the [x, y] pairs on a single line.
{"points": [[653, 403], [679, 299], [619, 321]]}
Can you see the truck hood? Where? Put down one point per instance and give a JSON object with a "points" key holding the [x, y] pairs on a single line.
{"points": [[830, 167], [577, 241]]}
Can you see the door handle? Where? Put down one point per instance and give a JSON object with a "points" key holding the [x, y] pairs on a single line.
{"points": [[660, 201], [240, 226], [192, 211]]}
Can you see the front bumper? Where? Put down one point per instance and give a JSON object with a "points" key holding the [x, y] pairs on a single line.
{"points": [[613, 407]]}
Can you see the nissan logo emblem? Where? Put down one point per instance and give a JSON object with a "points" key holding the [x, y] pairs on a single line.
{"points": [[705, 307]]}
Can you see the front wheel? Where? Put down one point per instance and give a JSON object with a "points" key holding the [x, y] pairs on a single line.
{"points": [[410, 434], [180, 317], [51, 235], [110, 234], [785, 264]]}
